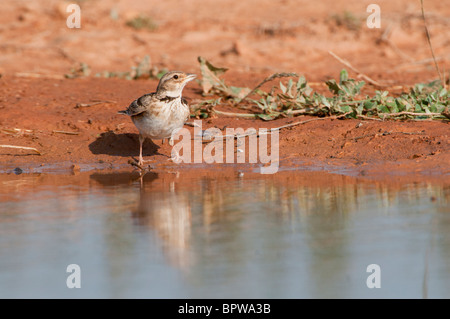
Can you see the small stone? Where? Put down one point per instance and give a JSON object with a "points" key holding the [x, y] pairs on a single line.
{"points": [[346, 144]]}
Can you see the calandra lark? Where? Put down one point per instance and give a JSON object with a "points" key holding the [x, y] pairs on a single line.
{"points": [[157, 115]]}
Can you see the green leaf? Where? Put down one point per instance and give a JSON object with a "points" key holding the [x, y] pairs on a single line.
{"points": [[237, 92], [282, 88], [301, 83], [333, 87], [343, 76], [368, 105], [142, 22], [418, 108], [359, 108], [210, 75], [383, 109], [290, 84], [344, 108], [325, 101], [439, 108], [392, 106], [267, 117], [142, 68]]}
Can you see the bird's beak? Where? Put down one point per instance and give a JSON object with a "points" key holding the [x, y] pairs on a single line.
{"points": [[190, 77]]}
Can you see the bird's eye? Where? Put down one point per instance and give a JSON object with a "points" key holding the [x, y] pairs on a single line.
{"points": [[175, 77]]}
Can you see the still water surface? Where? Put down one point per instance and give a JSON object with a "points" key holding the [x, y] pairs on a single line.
{"points": [[172, 235]]}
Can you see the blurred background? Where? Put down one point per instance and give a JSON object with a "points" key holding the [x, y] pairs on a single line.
{"points": [[248, 37]]}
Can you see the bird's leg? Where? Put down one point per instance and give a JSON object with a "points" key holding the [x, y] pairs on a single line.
{"points": [[175, 157], [141, 142], [163, 141]]}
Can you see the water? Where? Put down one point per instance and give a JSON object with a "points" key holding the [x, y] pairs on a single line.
{"points": [[223, 235]]}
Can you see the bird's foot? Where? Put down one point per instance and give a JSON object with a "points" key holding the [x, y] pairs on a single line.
{"points": [[136, 164], [140, 164], [175, 157]]}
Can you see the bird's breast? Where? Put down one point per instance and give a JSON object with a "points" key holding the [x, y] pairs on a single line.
{"points": [[162, 119]]}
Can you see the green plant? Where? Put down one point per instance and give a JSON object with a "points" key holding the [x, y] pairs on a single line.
{"points": [[348, 20], [142, 70], [81, 70], [297, 97], [142, 22]]}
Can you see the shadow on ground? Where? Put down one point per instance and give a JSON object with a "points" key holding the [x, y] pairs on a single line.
{"points": [[126, 145]]}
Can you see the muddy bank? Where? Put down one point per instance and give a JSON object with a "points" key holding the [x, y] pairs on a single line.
{"points": [[74, 123]]}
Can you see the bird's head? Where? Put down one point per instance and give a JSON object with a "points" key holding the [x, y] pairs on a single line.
{"points": [[172, 84]]}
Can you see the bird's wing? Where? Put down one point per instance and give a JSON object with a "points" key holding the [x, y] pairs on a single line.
{"points": [[139, 105], [185, 102]]}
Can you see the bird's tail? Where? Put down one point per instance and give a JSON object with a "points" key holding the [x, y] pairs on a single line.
{"points": [[125, 112]]}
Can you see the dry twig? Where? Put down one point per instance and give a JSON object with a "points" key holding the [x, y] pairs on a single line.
{"points": [[387, 133], [385, 38], [270, 130], [431, 47], [268, 79], [245, 115], [65, 132], [410, 113], [362, 75], [95, 102], [38, 75], [21, 147], [368, 118]]}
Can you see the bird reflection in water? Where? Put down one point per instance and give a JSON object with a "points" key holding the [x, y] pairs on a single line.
{"points": [[166, 212]]}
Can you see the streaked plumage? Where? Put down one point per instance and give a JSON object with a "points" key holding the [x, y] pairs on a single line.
{"points": [[157, 115]]}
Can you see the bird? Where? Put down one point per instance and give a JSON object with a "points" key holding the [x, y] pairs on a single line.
{"points": [[159, 114]]}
